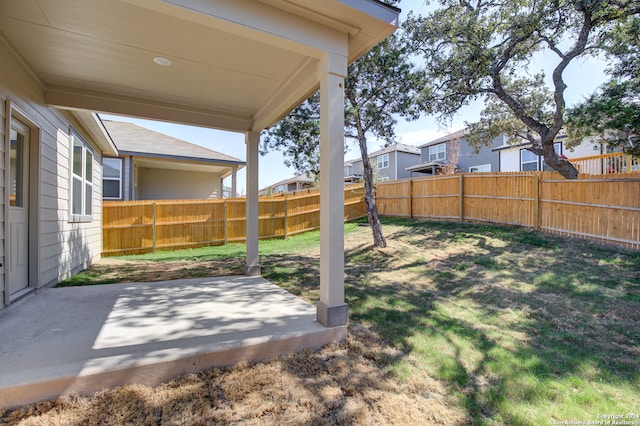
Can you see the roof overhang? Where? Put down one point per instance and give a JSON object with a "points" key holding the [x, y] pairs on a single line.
{"points": [[237, 65], [186, 165], [431, 167], [92, 124]]}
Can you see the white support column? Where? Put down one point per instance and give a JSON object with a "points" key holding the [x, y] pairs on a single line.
{"points": [[252, 267], [234, 182], [331, 309]]}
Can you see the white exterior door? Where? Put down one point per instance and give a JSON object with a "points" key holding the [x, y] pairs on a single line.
{"points": [[19, 208]]}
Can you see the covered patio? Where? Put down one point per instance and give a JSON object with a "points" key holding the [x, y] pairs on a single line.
{"points": [[235, 65], [83, 339]]}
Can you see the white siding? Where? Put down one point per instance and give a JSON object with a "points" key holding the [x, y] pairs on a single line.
{"points": [[510, 157], [63, 247], [585, 149], [161, 184], [510, 160]]}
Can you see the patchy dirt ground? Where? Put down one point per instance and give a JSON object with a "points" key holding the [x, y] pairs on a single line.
{"points": [[111, 269]]}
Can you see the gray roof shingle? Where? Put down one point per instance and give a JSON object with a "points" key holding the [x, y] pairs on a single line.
{"points": [[132, 139]]}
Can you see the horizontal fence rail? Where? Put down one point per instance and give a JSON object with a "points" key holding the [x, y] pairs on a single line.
{"points": [[134, 227], [602, 207]]}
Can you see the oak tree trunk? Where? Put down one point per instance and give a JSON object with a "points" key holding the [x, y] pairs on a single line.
{"points": [[561, 165], [370, 197]]}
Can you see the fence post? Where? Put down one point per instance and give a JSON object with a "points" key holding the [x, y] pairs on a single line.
{"points": [[536, 201], [153, 227], [226, 222], [286, 217], [461, 198], [410, 198]]}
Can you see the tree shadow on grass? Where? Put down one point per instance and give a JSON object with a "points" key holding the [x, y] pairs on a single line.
{"points": [[553, 335]]}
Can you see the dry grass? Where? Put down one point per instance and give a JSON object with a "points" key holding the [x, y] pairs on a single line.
{"points": [[340, 384]]}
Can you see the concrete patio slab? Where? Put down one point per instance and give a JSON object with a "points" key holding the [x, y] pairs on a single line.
{"points": [[83, 339]]}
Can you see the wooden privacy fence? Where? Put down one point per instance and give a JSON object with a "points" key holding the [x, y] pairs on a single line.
{"points": [[600, 207], [131, 227]]}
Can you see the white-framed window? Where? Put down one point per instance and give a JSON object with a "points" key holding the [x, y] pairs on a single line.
{"points": [[382, 179], [112, 178], [438, 152], [81, 179], [480, 169], [348, 171], [383, 161], [528, 161]]}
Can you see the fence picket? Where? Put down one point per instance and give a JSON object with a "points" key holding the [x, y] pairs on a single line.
{"points": [[602, 207], [132, 227]]}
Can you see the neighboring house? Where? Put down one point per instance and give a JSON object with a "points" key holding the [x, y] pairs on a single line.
{"points": [[389, 163], [517, 158], [349, 175], [436, 156], [154, 166], [295, 183]]}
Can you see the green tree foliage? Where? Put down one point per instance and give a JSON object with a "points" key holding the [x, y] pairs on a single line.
{"points": [[613, 113], [382, 85], [479, 49]]}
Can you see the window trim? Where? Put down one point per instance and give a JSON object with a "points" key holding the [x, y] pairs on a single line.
{"points": [[437, 151], [119, 179], [86, 151], [382, 179], [478, 167], [536, 161], [540, 163], [385, 160]]}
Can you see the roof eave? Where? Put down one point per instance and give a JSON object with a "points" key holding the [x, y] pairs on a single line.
{"points": [[92, 124], [240, 164]]}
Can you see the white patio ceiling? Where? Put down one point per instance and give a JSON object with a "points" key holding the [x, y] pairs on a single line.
{"points": [[237, 65]]}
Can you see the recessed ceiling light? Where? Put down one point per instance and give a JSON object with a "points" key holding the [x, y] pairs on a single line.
{"points": [[162, 61]]}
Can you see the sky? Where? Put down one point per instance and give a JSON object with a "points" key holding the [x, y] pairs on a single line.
{"points": [[582, 78]]}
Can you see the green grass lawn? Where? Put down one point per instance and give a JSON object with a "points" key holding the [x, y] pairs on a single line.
{"points": [[522, 327]]}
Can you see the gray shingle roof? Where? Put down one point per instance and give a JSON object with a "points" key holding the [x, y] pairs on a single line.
{"points": [[133, 139], [459, 134]]}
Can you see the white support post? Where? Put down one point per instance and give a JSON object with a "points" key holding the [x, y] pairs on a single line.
{"points": [[331, 309], [234, 182], [252, 267]]}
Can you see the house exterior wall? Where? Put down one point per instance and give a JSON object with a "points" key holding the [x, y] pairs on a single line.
{"points": [[386, 173], [59, 246], [404, 160], [358, 168], [468, 157], [510, 157], [585, 149], [398, 162], [163, 184]]}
